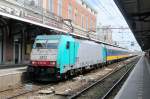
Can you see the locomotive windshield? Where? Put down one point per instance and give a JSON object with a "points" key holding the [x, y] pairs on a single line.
{"points": [[40, 44], [52, 44], [46, 44]]}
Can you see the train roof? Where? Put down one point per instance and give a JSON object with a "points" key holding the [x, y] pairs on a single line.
{"points": [[109, 44], [97, 41], [58, 36], [50, 36]]}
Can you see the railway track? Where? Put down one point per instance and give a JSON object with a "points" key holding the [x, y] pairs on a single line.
{"points": [[19, 92], [22, 90], [103, 88], [116, 87]]}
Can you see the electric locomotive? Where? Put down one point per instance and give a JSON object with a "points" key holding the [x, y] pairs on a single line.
{"points": [[56, 57]]}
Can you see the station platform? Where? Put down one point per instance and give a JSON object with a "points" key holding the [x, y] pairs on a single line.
{"points": [[137, 85], [6, 66], [11, 77]]}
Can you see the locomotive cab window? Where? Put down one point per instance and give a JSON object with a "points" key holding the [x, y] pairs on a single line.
{"points": [[68, 45], [52, 44], [40, 44]]}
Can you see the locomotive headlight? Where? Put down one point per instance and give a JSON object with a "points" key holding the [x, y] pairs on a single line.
{"points": [[34, 63], [53, 63]]}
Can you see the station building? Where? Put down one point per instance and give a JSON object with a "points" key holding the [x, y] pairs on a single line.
{"points": [[79, 11], [22, 20]]}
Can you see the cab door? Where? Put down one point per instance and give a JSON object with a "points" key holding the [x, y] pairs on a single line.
{"points": [[70, 52]]}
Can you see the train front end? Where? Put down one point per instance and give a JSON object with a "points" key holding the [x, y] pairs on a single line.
{"points": [[43, 65]]}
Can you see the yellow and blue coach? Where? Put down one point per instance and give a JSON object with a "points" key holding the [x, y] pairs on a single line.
{"points": [[116, 53]]}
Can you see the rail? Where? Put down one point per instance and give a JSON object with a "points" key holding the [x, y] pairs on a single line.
{"points": [[29, 91], [102, 81], [20, 91], [109, 93]]}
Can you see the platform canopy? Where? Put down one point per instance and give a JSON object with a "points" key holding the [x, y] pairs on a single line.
{"points": [[137, 15]]}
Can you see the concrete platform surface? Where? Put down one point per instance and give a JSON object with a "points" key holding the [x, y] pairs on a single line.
{"points": [[137, 86], [12, 70], [11, 78]]}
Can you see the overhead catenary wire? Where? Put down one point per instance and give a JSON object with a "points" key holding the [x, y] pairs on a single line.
{"points": [[105, 10], [102, 8]]}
